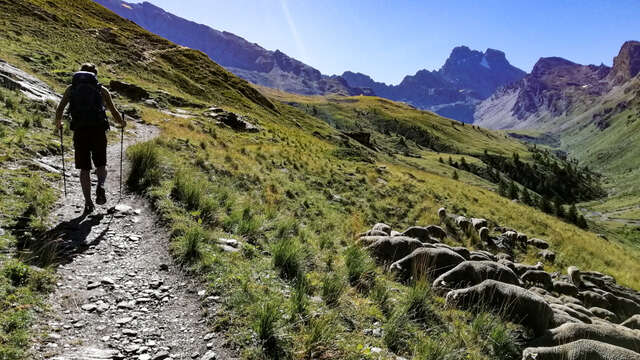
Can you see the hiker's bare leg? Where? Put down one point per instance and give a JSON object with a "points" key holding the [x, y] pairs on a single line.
{"points": [[102, 175], [85, 182]]}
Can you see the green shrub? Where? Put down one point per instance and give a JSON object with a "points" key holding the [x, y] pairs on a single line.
{"points": [[380, 294], [188, 247], [16, 272], [39, 195], [287, 257], [145, 166], [332, 288]]}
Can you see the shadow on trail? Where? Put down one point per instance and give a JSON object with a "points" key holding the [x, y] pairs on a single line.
{"points": [[62, 243]]}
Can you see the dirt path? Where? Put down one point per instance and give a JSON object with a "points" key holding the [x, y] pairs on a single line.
{"points": [[120, 296], [613, 215]]}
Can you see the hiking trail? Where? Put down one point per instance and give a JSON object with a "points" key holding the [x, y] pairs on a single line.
{"points": [[119, 294]]}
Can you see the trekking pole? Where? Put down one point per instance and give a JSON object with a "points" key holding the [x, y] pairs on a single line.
{"points": [[64, 175], [121, 152]]}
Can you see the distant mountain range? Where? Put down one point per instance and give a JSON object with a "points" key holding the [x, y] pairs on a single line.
{"points": [[466, 78], [557, 88]]}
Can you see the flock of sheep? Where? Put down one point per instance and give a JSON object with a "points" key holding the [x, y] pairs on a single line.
{"points": [[581, 315]]}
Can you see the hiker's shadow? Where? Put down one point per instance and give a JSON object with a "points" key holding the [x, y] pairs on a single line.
{"points": [[77, 234]]}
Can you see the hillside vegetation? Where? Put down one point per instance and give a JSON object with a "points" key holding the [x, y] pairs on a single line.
{"points": [[295, 195]]}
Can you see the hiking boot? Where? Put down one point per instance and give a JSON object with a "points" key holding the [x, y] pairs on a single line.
{"points": [[88, 208], [101, 196]]}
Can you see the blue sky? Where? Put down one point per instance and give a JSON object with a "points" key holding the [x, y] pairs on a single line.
{"points": [[389, 39]]}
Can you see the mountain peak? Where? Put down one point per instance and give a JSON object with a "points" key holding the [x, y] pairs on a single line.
{"points": [[627, 64], [546, 64]]}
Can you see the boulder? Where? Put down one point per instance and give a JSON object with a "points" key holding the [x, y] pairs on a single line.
{"points": [[236, 122], [470, 273], [514, 303], [427, 262], [580, 350], [131, 91]]}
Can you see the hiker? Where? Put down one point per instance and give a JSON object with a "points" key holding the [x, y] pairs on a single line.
{"points": [[87, 99]]}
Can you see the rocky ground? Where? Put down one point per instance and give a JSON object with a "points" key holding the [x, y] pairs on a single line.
{"points": [[119, 295]]}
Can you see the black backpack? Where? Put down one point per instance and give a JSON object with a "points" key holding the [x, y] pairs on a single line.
{"points": [[86, 105]]}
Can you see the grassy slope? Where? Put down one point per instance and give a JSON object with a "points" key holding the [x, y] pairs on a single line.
{"points": [[613, 151], [285, 188]]}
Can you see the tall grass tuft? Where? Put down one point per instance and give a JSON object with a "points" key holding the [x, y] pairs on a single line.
{"points": [[287, 257], [360, 267], [188, 246], [188, 189], [332, 288], [418, 303], [397, 333], [266, 326], [320, 336], [299, 296], [145, 166]]}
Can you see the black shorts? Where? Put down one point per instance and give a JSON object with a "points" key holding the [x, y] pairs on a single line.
{"points": [[90, 144]]}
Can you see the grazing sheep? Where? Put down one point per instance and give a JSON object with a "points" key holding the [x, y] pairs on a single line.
{"points": [[476, 256], [592, 298], [462, 251], [442, 214], [573, 313], [483, 233], [510, 301], [395, 233], [427, 262], [561, 317], [470, 273], [548, 256], [522, 239], [508, 264], [382, 227], [479, 223], [581, 309], [565, 288], [503, 256], [538, 243], [512, 236], [538, 277], [569, 300], [390, 249], [541, 291], [374, 233], [523, 268], [575, 276], [368, 240], [463, 223], [609, 334], [632, 322], [623, 307], [429, 234], [603, 314], [580, 350]]}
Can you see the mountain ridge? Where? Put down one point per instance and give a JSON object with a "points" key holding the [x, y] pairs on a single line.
{"points": [[466, 78], [248, 60]]}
